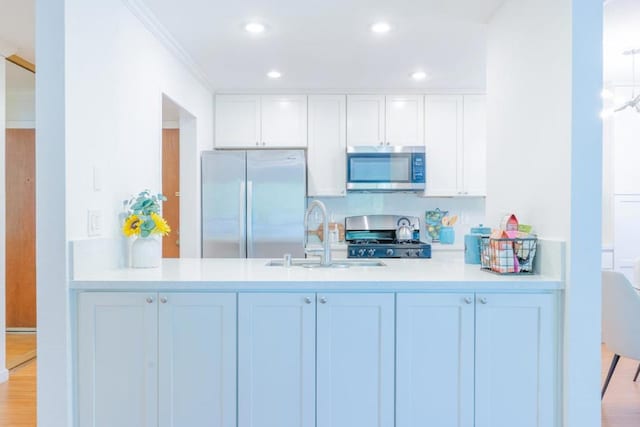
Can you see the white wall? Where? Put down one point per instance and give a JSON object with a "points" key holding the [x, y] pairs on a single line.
{"points": [[4, 375], [101, 76], [544, 75]]}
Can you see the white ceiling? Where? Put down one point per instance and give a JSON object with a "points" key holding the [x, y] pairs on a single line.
{"points": [[19, 79], [327, 44], [621, 32], [17, 27]]}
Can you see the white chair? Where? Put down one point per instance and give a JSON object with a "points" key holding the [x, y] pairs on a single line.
{"points": [[620, 319]]}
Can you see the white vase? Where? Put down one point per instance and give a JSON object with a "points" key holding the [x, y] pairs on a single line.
{"points": [[146, 252]]}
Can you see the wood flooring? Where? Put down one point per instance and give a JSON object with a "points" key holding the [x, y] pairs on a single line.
{"points": [[21, 348], [620, 407]]}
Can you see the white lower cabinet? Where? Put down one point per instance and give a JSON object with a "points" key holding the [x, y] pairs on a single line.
{"points": [[279, 361], [435, 360], [156, 360], [511, 358], [516, 360]]}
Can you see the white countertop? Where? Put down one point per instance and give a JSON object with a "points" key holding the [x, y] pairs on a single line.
{"points": [[442, 272]]}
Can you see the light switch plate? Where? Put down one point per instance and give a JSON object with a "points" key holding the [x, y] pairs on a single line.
{"points": [[94, 223]]}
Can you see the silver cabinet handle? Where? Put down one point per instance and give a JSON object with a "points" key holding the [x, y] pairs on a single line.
{"points": [[381, 143], [483, 300], [468, 300], [163, 300], [307, 300], [323, 300], [257, 143], [149, 300], [264, 143]]}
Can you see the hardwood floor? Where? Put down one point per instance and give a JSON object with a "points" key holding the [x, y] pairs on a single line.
{"points": [[620, 407], [621, 404], [21, 347]]}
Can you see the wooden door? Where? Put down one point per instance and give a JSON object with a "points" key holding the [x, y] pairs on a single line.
{"points": [[197, 359], [516, 361], [20, 223], [117, 359], [355, 360], [171, 189], [276, 360], [435, 360]]}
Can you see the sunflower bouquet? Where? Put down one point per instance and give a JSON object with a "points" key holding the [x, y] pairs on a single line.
{"points": [[143, 216]]}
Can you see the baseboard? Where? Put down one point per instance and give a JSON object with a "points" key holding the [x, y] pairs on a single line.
{"points": [[4, 375], [21, 330]]}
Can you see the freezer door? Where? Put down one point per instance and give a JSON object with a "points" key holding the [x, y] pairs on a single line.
{"points": [[224, 204], [276, 201]]}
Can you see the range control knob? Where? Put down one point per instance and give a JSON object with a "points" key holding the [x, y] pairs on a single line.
{"points": [[411, 252], [389, 252], [361, 252], [371, 252]]}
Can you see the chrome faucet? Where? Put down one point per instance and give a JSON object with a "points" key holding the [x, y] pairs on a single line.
{"points": [[325, 255]]}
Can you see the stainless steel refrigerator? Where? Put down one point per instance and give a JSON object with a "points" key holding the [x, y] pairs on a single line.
{"points": [[253, 203]]}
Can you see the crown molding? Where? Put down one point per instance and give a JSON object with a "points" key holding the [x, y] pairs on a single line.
{"points": [[151, 22]]}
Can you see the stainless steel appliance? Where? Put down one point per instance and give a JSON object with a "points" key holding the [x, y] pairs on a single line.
{"points": [[253, 203], [386, 168], [374, 236]]}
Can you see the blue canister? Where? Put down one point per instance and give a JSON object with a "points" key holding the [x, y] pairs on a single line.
{"points": [[472, 244], [447, 235]]}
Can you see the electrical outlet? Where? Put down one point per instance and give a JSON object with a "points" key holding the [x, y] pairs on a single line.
{"points": [[94, 223]]}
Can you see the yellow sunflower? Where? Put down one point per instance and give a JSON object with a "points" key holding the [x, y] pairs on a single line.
{"points": [[162, 227], [131, 226]]}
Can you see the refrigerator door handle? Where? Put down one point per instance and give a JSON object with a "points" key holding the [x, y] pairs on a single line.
{"points": [[242, 225], [249, 219]]}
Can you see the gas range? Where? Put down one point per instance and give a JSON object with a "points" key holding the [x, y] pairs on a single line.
{"points": [[374, 236]]}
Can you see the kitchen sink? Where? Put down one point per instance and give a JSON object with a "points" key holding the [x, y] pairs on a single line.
{"points": [[343, 263]]}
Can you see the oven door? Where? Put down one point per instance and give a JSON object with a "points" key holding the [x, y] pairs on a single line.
{"points": [[386, 168]]}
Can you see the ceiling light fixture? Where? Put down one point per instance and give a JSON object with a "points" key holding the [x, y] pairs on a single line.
{"points": [[381, 27], [418, 75], [254, 27], [274, 74]]}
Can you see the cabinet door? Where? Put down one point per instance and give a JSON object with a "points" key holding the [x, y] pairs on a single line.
{"points": [[327, 145], [117, 359], [284, 121], [516, 361], [237, 121], [197, 359], [474, 152], [276, 363], [405, 120], [355, 360], [443, 129], [365, 120], [435, 358]]}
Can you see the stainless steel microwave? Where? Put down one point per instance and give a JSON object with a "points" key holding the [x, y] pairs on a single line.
{"points": [[386, 168]]}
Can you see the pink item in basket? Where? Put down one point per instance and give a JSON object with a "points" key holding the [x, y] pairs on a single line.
{"points": [[510, 225]]}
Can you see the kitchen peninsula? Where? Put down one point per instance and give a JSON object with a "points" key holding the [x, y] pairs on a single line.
{"points": [[226, 342]]}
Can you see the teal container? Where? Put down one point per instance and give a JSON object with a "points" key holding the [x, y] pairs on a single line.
{"points": [[447, 235], [472, 244]]}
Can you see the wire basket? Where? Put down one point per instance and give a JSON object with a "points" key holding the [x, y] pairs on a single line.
{"points": [[508, 256]]}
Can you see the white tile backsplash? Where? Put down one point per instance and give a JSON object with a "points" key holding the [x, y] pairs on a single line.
{"points": [[470, 210]]}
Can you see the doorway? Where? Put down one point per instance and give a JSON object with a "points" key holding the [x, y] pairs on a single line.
{"points": [[171, 176]]}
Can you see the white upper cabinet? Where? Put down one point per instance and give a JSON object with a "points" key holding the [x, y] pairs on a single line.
{"points": [[284, 121], [237, 121], [455, 145], [254, 121], [326, 171], [474, 140], [365, 120], [405, 120], [385, 120], [443, 118]]}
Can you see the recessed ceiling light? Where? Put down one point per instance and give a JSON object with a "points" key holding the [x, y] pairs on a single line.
{"points": [[381, 27], [274, 74], [254, 27], [418, 75]]}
